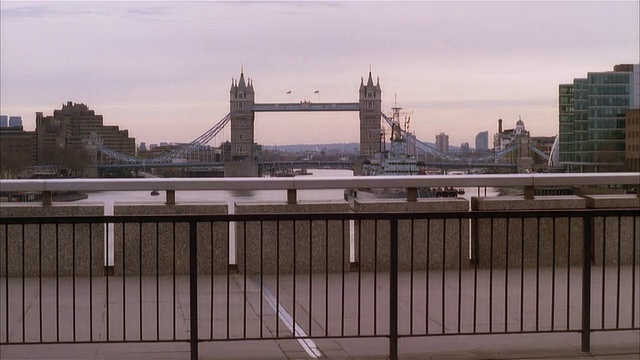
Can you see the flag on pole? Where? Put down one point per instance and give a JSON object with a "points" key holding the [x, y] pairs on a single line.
{"points": [[317, 91], [289, 92]]}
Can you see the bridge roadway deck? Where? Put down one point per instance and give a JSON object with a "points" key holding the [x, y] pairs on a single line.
{"points": [[604, 345]]}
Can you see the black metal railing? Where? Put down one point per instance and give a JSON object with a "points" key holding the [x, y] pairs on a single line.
{"points": [[181, 278]]}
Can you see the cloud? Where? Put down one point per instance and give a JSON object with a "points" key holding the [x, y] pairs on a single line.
{"points": [[12, 10], [467, 61]]}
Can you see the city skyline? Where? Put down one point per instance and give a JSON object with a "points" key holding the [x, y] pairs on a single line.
{"points": [[163, 70]]}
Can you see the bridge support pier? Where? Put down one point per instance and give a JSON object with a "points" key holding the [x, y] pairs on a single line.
{"points": [[241, 169]]}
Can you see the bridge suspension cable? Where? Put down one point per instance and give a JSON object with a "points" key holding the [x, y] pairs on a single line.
{"points": [[539, 152], [426, 148], [182, 151]]}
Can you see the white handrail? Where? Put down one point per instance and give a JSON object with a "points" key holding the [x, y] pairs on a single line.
{"points": [[307, 183]]}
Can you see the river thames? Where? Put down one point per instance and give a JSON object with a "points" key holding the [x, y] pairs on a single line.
{"points": [[109, 198]]}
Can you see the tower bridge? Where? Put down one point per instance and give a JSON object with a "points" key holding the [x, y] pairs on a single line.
{"points": [[241, 117], [305, 106]]}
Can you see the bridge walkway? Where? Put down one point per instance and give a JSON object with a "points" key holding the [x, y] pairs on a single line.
{"points": [[605, 345]]}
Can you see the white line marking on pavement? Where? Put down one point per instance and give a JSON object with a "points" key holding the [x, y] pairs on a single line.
{"points": [[307, 344]]}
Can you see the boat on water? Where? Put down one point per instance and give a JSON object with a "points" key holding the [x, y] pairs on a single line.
{"points": [[286, 173], [155, 193], [292, 173], [302, 172], [398, 161]]}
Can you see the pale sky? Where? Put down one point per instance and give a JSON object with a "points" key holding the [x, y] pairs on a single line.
{"points": [[163, 70]]}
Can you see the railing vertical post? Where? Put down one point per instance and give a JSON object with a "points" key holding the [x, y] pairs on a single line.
{"points": [[586, 283], [193, 288], [393, 290]]}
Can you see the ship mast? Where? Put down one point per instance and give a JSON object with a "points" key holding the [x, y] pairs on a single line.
{"points": [[395, 120], [396, 129]]}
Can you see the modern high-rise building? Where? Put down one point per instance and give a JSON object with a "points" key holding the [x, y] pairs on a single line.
{"points": [[15, 121], [411, 144], [4, 120], [482, 141], [442, 142], [592, 118], [464, 147]]}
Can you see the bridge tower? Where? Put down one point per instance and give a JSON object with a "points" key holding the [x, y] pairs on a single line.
{"points": [[370, 115], [242, 98]]}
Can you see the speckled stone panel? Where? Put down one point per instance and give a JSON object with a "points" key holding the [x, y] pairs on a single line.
{"points": [[614, 239], [269, 247], [529, 242], [47, 250], [432, 243], [164, 245]]}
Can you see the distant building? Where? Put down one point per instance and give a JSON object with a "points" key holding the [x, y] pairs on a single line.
{"points": [[517, 140], [17, 150], [411, 144], [4, 121], [15, 121], [225, 147], [76, 126], [442, 142], [464, 147], [544, 144], [482, 141], [632, 140], [157, 150], [592, 118], [201, 153]]}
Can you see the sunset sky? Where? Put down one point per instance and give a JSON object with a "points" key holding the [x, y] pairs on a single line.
{"points": [[163, 70]]}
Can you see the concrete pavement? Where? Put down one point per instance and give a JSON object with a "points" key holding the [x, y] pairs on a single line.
{"points": [[270, 310]]}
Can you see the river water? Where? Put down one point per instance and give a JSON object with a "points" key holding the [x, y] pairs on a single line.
{"points": [[230, 197], [110, 197]]}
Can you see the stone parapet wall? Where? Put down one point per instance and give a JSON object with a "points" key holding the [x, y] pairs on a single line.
{"points": [[529, 241], [617, 233], [319, 245], [159, 249], [49, 249], [434, 242], [269, 245]]}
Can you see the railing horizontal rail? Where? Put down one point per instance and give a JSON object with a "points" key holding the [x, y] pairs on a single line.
{"points": [[475, 214], [311, 183]]}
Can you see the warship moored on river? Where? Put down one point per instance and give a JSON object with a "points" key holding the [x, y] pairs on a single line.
{"points": [[397, 161]]}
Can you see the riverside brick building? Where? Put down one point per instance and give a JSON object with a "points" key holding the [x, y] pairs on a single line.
{"points": [[76, 126]]}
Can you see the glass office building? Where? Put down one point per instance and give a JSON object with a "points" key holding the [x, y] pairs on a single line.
{"points": [[482, 141], [592, 119]]}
